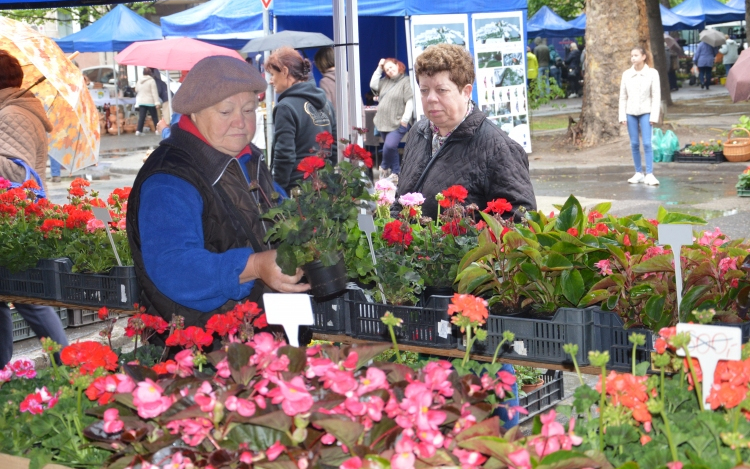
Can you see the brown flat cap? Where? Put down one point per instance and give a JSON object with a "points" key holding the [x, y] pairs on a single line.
{"points": [[214, 79]]}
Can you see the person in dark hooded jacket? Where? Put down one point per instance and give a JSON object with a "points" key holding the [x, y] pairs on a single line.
{"points": [[301, 113]]}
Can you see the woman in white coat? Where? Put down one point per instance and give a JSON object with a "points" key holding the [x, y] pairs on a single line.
{"points": [[640, 99], [146, 99]]}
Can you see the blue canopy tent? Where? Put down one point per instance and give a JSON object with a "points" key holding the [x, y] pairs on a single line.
{"points": [[708, 12], [579, 22], [111, 33], [737, 4], [29, 4], [674, 22], [546, 23], [227, 23]]}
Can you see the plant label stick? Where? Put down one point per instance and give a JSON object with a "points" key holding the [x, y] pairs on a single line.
{"points": [[676, 236], [709, 344], [367, 225], [290, 310], [103, 215]]}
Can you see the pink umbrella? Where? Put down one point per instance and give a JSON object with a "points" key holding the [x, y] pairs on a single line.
{"points": [[738, 81], [171, 54]]}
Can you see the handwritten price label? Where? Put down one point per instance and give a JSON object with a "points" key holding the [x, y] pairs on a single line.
{"points": [[709, 344], [290, 310]]}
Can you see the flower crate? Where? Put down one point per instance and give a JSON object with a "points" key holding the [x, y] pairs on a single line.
{"points": [[83, 317], [119, 289], [718, 157], [427, 325], [540, 339], [15, 462], [22, 330], [546, 397], [610, 335], [332, 316], [41, 281], [743, 192]]}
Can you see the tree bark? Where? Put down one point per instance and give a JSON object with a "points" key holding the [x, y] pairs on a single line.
{"points": [[666, 3], [656, 40], [612, 30]]}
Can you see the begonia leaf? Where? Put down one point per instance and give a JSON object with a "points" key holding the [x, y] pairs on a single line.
{"points": [[439, 459], [489, 445], [489, 427], [660, 263], [347, 432], [564, 459], [238, 355], [276, 420], [297, 357]]}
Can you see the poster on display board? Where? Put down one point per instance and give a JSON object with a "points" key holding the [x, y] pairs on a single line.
{"points": [[500, 63], [428, 30]]}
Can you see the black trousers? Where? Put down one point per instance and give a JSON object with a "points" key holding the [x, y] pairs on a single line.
{"points": [[142, 110]]}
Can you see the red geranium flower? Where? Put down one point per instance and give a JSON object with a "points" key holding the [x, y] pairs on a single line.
{"points": [[397, 232], [89, 356], [311, 164], [453, 195], [30, 184], [190, 337], [8, 209], [103, 313], [454, 228], [119, 195], [51, 224], [469, 306], [324, 139], [498, 206], [355, 152]]}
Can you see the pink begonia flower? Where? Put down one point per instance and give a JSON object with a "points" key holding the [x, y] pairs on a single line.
{"points": [[193, 431], [404, 457], [417, 401], [183, 365], [303, 463], [4, 183], [124, 383], [293, 396], [6, 374], [339, 381], [351, 360], [726, 264], [710, 238], [551, 427], [412, 199], [112, 422], [373, 380], [242, 406], [264, 343], [94, 224], [148, 399], [604, 266], [469, 459], [575, 439], [122, 224], [436, 377], [205, 397], [180, 462], [222, 369], [351, 463], [274, 451], [318, 367], [246, 457], [675, 464], [328, 439], [24, 368], [520, 459]]}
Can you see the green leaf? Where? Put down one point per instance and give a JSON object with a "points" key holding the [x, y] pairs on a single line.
{"points": [[238, 355], [572, 286], [276, 420], [488, 445], [258, 438], [532, 271], [567, 460], [571, 215], [660, 263], [566, 248], [661, 213], [489, 427], [673, 218], [345, 431], [297, 357], [593, 297], [366, 352], [642, 368], [692, 299], [654, 308], [556, 261], [602, 208], [475, 254]]}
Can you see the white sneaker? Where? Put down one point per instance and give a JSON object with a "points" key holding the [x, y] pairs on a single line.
{"points": [[573, 95], [637, 177], [137, 133], [650, 180]]}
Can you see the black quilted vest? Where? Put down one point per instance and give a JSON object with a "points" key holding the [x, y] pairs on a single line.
{"points": [[231, 213]]}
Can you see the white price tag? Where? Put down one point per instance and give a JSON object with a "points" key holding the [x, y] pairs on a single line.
{"points": [[520, 348], [290, 310], [444, 329]]}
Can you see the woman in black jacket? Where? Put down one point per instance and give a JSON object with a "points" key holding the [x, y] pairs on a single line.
{"points": [[573, 64], [456, 144]]}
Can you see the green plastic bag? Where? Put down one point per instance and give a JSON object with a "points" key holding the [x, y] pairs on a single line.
{"points": [[657, 136], [670, 144]]}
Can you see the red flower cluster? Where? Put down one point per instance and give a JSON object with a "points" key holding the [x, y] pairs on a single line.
{"points": [[355, 152], [594, 215], [77, 187], [397, 232], [89, 356], [469, 306], [454, 228], [119, 195], [573, 231], [311, 164], [599, 230], [138, 323], [498, 206], [230, 322], [630, 391], [730, 388], [77, 218], [325, 140], [190, 337], [51, 224], [453, 195]]}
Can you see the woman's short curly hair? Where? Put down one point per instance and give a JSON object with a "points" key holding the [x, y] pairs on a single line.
{"points": [[11, 73], [447, 58]]}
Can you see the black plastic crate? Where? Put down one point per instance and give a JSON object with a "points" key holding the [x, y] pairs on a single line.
{"points": [[22, 330], [42, 281], [690, 158], [427, 325], [610, 335], [84, 317], [544, 398], [540, 339], [119, 289], [744, 327], [331, 316]]}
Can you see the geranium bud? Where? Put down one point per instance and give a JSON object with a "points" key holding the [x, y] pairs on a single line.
{"points": [[300, 422], [637, 339], [598, 359]]}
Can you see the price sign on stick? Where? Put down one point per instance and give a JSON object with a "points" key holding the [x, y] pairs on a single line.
{"points": [[676, 236], [709, 344], [104, 216], [367, 225], [289, 310]]}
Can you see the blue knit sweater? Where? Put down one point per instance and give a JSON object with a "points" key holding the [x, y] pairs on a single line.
{"points": [[173, 250]]}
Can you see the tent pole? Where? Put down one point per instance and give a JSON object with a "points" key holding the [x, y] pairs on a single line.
{"points": [[355, 95], [269, 93], [117, 97], [342, 94], [169, 98], [410, 67]]}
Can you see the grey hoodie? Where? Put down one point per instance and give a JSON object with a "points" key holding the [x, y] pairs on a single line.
{"points": [[729, 50], [23, 134]]}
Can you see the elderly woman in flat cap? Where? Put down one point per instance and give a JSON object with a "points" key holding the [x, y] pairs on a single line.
{"points": [[193, 219]]}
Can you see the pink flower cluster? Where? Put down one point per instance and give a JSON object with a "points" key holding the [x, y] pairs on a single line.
{"points": [[149, 399], [41, 400], [112, 422], [552, 439], [20, 368]]}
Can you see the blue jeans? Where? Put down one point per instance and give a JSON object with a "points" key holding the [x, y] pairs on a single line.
{"points": [[728, 67], [391, 141], [641, 125], [502, 412], [43, 320], [54, 167], [544, 75], [704, 76], [556, 73]]}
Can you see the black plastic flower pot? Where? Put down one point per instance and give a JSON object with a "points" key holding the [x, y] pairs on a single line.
{"points": [[325, 282]]}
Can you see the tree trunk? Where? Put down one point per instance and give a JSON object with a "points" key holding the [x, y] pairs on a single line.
{"points": [[747, 19], [666, 3], [656, 40], [612, 30]]}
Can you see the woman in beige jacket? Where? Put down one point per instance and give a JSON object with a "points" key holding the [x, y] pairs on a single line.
{"points": [[640, 98], [146, 98]]}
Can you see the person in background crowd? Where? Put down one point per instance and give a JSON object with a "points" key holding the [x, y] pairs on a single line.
{"points": [[23, 137], [146, 99], [542, 53], [301, 113], [326, 63], [573, 64], [673, 63], [556, 66], [393, 117], [640, 98], [194, 224], [456, 144], [730, 51], [163, 89], [532, 67], [704, 60]]}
